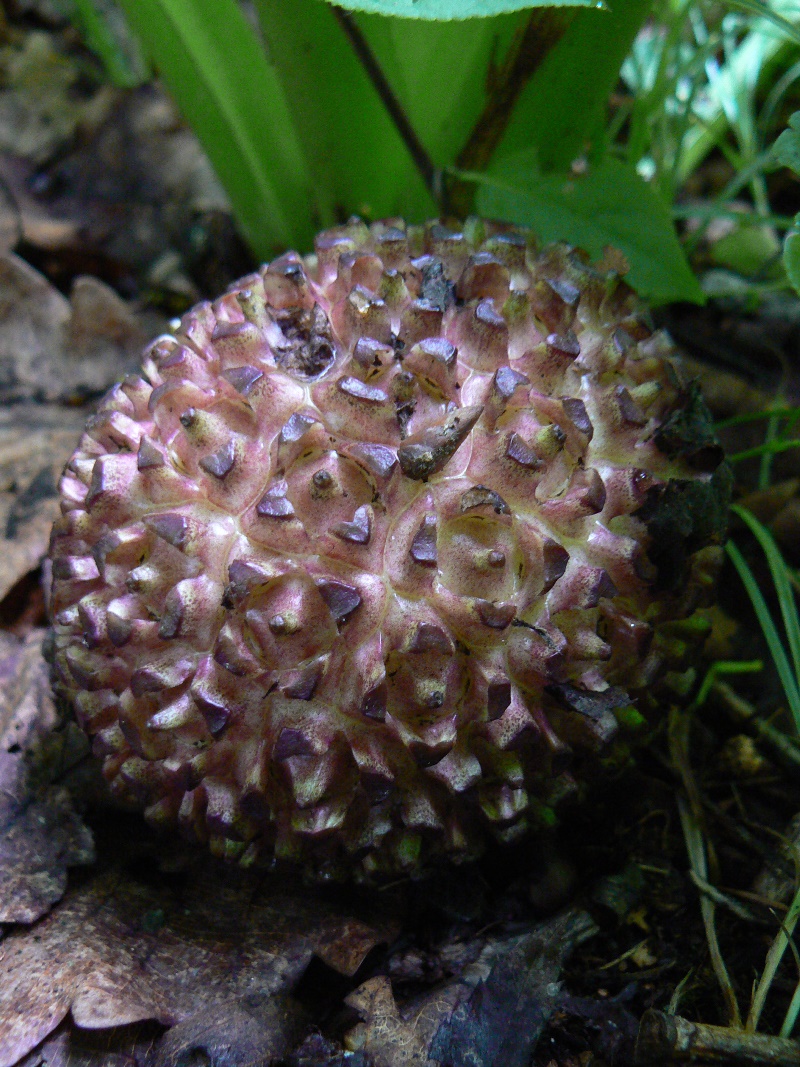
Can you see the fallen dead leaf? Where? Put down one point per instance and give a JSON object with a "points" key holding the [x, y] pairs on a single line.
{"points": [[27, 711], [35, 443], [256, 1030], [40, 837], [39, 107], [55, 349], [491, 1015], [121, 949], [40, 834]]}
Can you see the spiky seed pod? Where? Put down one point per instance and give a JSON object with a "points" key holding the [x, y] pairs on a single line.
{"points": [[378, 543]]}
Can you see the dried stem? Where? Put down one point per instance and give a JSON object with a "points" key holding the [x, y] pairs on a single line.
{"points": [[666, 1039]]}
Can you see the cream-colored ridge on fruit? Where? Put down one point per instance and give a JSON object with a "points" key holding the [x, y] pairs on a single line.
{"points": [[379, 543]]}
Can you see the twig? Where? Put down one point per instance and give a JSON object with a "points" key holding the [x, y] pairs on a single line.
{"points": [[531, 43], [721, 898], [665, 1039], [368, 60], [779, 747]]}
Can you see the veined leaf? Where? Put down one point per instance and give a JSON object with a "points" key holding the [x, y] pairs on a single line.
{"points": [[211, 60], [440, 71], [450, 10], [358, 159], [786, 150], [607, 205]]}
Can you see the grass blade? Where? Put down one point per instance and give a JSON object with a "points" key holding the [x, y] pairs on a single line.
{"points": [[217, 70], [124, 69], [787, 676], [758, 7], [782, 579], [774, 957]]}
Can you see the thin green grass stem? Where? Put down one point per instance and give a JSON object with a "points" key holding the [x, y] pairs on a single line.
{"points": [[774, 957], [783, 584], [787, 676]]}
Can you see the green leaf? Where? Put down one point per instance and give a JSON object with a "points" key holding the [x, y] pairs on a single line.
{"points": [[439, 71], [787, 676], [782, 577], [607, 205], [449, 10], [358, 159], [563, 106], [104, 35], [786, 150], [214, 65], [791, 258]]}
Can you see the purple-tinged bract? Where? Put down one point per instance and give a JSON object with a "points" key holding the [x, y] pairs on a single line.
{"points": [[379, 544]]}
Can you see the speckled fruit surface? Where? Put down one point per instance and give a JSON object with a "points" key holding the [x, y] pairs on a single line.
{"points": [[379, 543]]}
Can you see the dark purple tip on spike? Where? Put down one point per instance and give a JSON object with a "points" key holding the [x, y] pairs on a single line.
{"points": [[359, 390], [359, 530], [495, 616], [518, 450], [555, 558], [220, 463], [274, 504], [295, 427], [149, 455], [373, 706], [481, 497], [431, 638], [507, 380], [243, 379], [172, 528], [575, 410], [291, 742], [378, 459], [568, 292], [342, 600], [423, 547], [498, 698]]}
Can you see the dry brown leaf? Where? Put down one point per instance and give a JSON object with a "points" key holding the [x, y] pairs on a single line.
{"points": [[40, 834], [40, 837], [118, 950], [27, 711], [35, 442], [395, 1040], [52, 348], [492, 1015], [256, 1030]]}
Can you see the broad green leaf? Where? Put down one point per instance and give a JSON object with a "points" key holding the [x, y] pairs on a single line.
{"points": [[440, 71], [607, 205], [358, 159], [786, 150], [563, 107], [211, 60], [451, 10]]}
